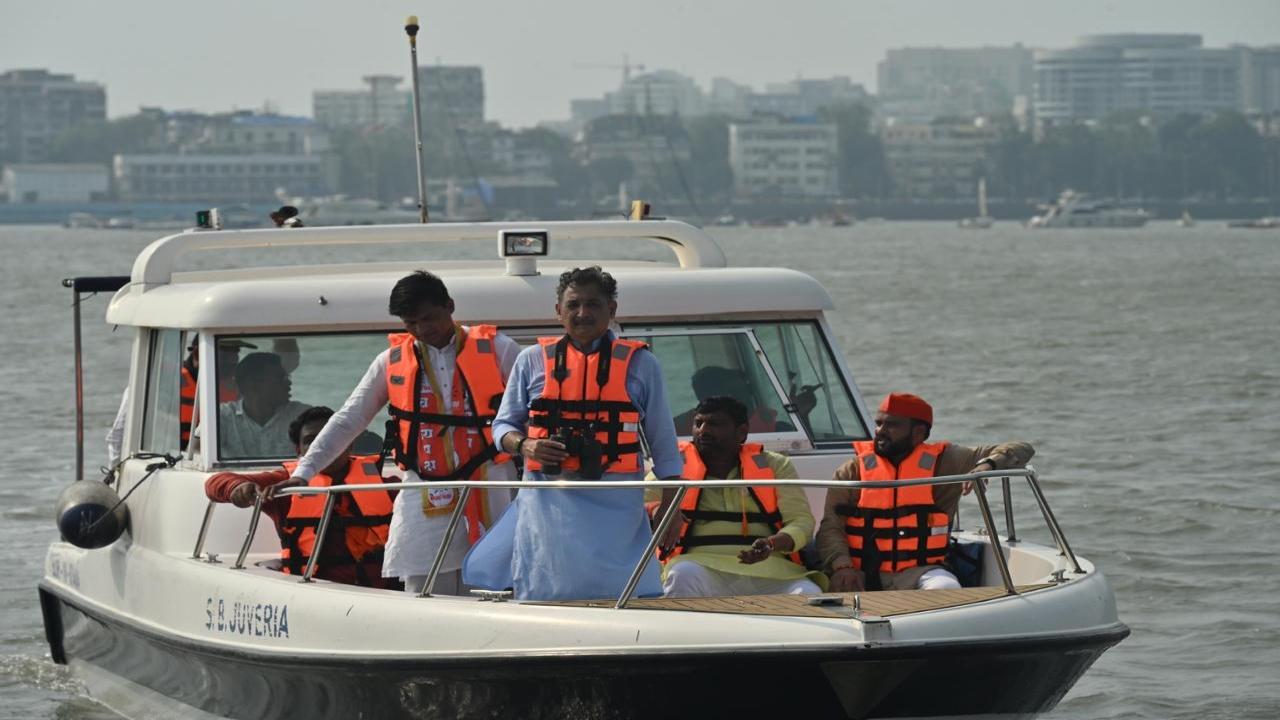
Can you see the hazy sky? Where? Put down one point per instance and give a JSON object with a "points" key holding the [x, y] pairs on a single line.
{"points": [[211, 56]]}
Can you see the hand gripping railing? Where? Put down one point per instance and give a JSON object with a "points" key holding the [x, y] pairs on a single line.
{"points": [[977, 479]]}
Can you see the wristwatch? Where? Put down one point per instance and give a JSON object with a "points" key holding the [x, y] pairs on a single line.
{"points": [[520, 445]]}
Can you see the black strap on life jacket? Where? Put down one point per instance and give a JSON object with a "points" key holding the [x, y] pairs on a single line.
{"points": [[923, 554], [611, 423], [407, 458], [700, 540], [773, 519]]}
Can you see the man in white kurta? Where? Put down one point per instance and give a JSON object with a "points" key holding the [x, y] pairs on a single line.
{"points": [[414, 536]]}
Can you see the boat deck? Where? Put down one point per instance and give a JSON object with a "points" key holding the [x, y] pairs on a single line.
{"points": [[885, 603]]}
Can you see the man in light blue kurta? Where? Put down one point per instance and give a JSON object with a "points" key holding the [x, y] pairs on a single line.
{"points": [[574, 544]]}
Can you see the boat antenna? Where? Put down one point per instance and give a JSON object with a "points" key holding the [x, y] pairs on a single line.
{"points": [[411, 29]]}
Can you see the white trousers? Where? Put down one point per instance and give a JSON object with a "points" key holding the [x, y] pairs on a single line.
{"points": [[938, 579], [690, 579]]}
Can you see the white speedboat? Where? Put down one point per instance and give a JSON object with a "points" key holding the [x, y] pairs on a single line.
{"points": [[1075, 210], [183, 610]]}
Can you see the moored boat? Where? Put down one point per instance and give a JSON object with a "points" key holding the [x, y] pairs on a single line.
{"points": [[1075, 210]]}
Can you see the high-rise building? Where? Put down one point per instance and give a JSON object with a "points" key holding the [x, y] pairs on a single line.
{"points": [[779, 158], [919, 84], [1161, 74], [1259, 79], [381, 105], [452, 97], [36, 106]]}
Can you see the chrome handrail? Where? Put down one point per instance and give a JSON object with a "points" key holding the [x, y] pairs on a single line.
{"points": [[204, 530], [253, 530], [668, 517], [658, 533], [436, 564]]}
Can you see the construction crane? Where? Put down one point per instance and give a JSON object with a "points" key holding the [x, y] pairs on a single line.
{"points": [[626, 67]]}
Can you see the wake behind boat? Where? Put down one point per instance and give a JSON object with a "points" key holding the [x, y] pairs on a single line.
{"points": [[188, 608]]}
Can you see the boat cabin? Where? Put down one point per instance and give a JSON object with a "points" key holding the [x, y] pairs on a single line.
{"points": [[759, 334]]}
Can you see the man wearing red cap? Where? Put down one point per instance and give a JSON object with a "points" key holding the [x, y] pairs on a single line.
{"points": [[896, 538]]}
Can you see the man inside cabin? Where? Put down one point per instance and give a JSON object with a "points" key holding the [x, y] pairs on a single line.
{"points": [[257, 424], [716, 380], [353, 544], [736, 541], [574, 409], [896, 538], [441, 383]]}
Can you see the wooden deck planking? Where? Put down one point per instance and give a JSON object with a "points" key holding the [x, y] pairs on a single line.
{"points": [[885, 603]]}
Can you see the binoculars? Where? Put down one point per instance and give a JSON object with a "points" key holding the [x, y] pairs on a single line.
{"points": [[584, 447]]}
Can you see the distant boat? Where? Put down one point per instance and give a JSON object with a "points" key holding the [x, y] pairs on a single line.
{"points": [[1263, 223], [343, 210], [1075, 210], [983, 220], [1186, 220], [82, 220]]}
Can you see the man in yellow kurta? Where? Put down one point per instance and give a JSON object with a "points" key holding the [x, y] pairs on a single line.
{"points": [[736, 541]]}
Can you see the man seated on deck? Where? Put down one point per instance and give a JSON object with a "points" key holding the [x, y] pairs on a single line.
{"points": [[736, 541], [257, 425], [353, 545], [896, 538]]}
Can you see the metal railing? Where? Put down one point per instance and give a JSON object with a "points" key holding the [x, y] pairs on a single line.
{"points": [[978, 481]]}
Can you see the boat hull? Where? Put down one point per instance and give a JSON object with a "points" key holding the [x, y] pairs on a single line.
{"points": [[1013, 677]]}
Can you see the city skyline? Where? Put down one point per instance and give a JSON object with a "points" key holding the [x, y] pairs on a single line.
{"points": [[163, 54]]}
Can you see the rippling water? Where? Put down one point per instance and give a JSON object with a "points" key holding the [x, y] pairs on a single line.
{"points": [[1143, 365]]}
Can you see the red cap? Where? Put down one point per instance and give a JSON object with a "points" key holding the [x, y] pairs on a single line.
{"points": [[908, 406]]}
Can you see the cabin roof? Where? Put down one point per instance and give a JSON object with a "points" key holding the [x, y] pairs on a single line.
{"points": [[355, 294]]}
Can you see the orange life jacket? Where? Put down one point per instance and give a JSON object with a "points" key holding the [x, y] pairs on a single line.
{"points": [[752, 465], [186, 406], [907, 526], [361, 519], [587, 393], [427, 432]]}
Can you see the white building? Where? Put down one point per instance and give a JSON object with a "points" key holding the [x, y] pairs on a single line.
{"points": [[62, 183], [218, 178], [1164, 75], [938, 159], [380, 105], [776, 158]]}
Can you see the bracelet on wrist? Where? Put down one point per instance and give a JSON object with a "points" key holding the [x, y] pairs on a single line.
{"points": [[520, 445]]}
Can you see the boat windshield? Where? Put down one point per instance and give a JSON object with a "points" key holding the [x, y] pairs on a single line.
{"points": [[783, 371]]}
